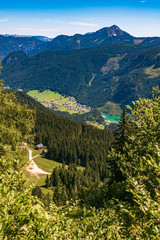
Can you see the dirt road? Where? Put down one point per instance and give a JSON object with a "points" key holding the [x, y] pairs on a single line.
{"points": [[32, 168]]}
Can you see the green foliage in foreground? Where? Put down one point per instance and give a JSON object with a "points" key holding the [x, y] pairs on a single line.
{"points": [[22, 216], [138, 159]]}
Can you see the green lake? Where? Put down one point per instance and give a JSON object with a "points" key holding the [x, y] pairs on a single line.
{"points": [[110, 118]]}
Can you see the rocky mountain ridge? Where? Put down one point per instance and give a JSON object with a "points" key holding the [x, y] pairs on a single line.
{"points": [[102, 37], [10, 44]]}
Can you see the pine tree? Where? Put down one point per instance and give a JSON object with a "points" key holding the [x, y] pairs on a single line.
{"points": [[122, 132], [121, 136], [55, 177], [47, 182], [37, 192]]}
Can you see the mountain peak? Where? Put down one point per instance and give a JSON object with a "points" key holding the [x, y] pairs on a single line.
{"points": [[112, 31], [114, 26]]}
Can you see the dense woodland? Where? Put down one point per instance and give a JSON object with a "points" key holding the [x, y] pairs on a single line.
{"points": [[74, 144], [70, 72], [94, 76], [68, 141], [126, 195]]}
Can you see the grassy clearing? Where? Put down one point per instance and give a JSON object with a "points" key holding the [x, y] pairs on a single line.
{"points": [[44, 96], [63, 100], [111, 65], [73, 112], [70, 111], [36, 152], [36, 180], [40, 179], [43, 163], [46, 164]]}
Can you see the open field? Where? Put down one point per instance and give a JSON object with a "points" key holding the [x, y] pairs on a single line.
{"points": [[44, 96], [46, 164], [36, 152], [61, 103], [39, 181], [43, 163]]}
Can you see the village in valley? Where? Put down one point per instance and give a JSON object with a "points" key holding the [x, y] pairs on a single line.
{"points": [[58, 102], [71, 106]]}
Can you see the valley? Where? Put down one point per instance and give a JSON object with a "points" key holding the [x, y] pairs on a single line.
{"points": [[58, 102], [73, 164], [116, 73]]}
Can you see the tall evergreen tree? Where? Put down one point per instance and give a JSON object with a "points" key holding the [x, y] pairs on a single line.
{"points": [[121, 135], [122, 132]]}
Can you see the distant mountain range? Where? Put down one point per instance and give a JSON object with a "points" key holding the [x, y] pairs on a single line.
{"points": [[42, 38], [110, 65], [105, 36], [11, 44]]}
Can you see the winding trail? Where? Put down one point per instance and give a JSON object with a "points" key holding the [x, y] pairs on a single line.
{"points": [[32, 168]]}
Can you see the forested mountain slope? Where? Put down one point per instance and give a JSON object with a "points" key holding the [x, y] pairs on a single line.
{"points": [[118, 73], [10, 44], [68, 141], [125, 196], [91, 75]]}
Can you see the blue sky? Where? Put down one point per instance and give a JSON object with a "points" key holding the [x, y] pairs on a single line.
{"points": [[51, 18]]}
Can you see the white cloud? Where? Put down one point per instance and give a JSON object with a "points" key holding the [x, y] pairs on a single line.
{"points": [[84, 24], [4, 20]]}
